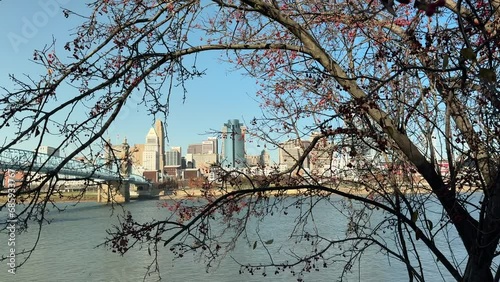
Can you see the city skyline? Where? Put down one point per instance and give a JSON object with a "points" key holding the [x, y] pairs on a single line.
{"points": [[190, 117], [152, 159], [153, 154]]}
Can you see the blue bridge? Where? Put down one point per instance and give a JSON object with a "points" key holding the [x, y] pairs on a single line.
{"points": [[33, 162]]}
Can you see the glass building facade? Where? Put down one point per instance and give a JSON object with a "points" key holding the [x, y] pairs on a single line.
{"points": [[233, 138]]}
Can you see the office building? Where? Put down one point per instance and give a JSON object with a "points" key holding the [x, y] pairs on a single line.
{"points": [[151, 154], [233, 141], [48, 151], [194, 149], [265, 159], [189, 161], [210, 146], [261, 160], [252, 160], [204, 161], [290, 151], [136, 154], [203, 155], [173, 157], [160, 133]]}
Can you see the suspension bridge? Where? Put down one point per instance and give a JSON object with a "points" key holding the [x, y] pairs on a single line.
{"points": [[100, 170]]}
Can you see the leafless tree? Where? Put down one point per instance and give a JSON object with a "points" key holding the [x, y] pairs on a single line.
{"points": [[417, 86]]}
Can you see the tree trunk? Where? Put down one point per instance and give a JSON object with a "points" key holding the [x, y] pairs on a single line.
{"points": [[483, 251], [478, 270]]}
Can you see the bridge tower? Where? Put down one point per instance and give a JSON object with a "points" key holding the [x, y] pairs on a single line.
{"points": [[117, 191], [125, 170]]}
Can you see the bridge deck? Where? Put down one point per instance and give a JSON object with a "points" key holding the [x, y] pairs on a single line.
{"points": [[24, 160]]}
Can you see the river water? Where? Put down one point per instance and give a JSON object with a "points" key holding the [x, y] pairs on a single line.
{"points": [[67, 252]]}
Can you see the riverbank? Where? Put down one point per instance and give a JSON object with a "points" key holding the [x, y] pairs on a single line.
{"points": [[64, 198], [187, 193], [194, 193]]}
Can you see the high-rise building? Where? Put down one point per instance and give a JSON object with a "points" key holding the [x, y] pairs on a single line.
{"points": [[204, 161], [173, 162], [151, 153], [190, 162], [233, 141], [203, 155], [261, 160], [290, 151], [210, 146], [265, 159], [195, 149], [160, 132], [173, 157], [137, 154], [252, 160]]}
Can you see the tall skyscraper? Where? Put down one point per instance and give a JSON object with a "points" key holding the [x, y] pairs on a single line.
{"points": [[233, 141], [160, 132], [151, 153]]}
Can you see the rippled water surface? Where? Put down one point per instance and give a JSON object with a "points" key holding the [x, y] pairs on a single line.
{"points": [[67, 252]]}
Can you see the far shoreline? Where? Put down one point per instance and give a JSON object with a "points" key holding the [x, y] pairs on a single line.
{"points": [[197, 193], [56, 199]]}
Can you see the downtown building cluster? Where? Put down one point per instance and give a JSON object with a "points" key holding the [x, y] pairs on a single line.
{"points": [[157, 163], [343, 158], [327, 159]]}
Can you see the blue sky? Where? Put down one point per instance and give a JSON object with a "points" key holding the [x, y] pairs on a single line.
{"points": [[213, 99]]}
